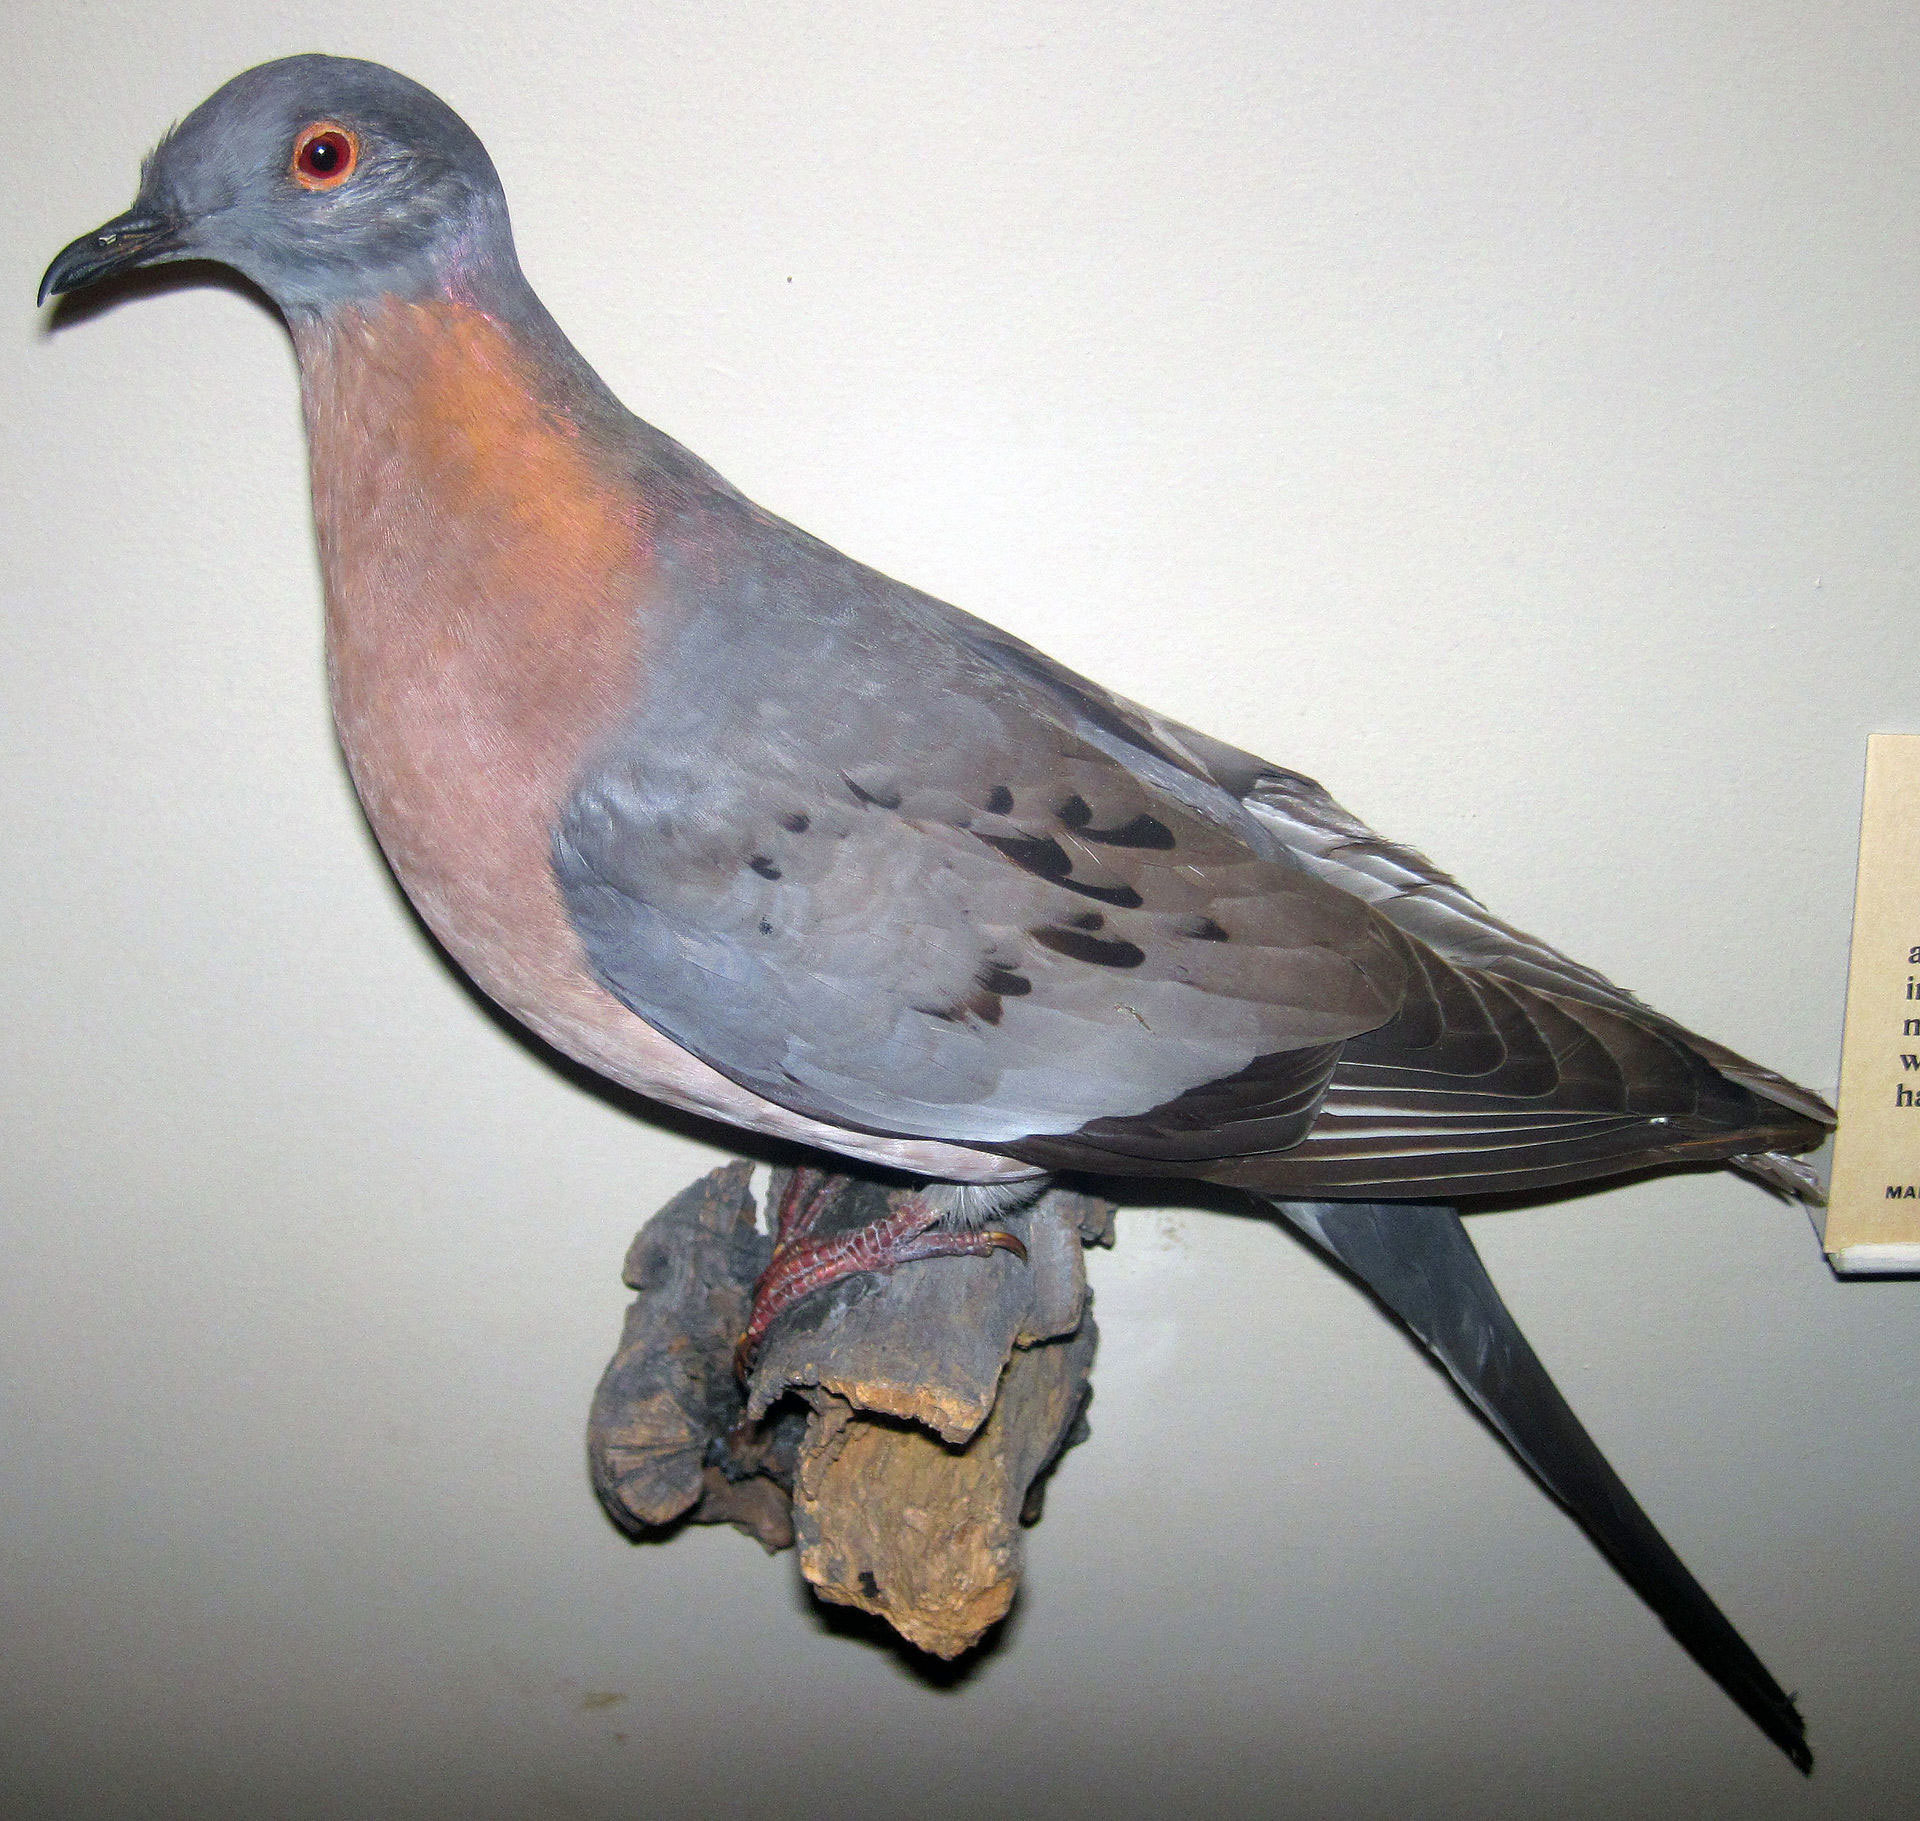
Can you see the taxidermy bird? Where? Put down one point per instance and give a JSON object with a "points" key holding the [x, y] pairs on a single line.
{"points": [[758, 832]]}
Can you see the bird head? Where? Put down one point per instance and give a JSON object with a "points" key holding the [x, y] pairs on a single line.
{"points": [[325, 180]]}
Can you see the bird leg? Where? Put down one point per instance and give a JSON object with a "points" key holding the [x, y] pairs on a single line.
{"points": [[802, 1264]]}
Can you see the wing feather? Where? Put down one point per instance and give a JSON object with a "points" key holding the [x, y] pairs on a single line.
{"points": [[897, 871]]}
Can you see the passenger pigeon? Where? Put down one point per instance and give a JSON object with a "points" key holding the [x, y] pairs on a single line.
{"points": [[752, 829]]}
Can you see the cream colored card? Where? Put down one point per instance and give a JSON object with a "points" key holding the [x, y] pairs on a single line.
{"points": [[1873, 1207]]}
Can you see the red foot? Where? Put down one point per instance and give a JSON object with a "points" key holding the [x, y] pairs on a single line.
{"points": [[801, 1265]]}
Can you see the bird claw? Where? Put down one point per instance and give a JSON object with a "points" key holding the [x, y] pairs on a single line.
{"points": [[954, 1245], [802, 1265]]}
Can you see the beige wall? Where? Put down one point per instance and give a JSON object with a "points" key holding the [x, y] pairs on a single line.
{"points": [[1503, 412]]}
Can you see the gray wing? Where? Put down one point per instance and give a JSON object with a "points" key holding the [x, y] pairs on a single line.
{"points": [[1421, 901], [888, 866], [876, 875], [1506, 1067]]}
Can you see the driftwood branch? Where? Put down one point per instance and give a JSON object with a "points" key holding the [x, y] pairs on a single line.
{"points": [[898, 1428]]}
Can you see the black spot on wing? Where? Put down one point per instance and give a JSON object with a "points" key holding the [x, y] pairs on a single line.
{"points": [[1045, 858], [992, 986], [1204, 929], [1086, 920], [764, 867], [1121, 897], [985, 1006], [1038, 854], [884, 797], [795, 824], [1143, 831], [999, 800], [1099, 951]]}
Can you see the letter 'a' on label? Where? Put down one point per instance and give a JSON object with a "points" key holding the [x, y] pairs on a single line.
{"points": [[1873, 1206]]}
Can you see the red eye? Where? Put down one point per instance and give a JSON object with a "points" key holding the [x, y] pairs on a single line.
{"points": [[324, 156]]}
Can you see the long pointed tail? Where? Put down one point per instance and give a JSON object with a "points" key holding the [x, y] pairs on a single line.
{"points": [[1419, 1262]]}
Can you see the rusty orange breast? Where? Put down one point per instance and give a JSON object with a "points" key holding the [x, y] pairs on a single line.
{"points": [[486, 578]]}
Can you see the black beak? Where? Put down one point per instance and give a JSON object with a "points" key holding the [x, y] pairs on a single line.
{"points": [[134, 239]]}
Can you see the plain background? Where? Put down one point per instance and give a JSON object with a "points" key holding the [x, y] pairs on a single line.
{"points": [[1502, 412]]}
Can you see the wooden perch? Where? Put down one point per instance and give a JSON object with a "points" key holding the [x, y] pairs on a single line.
{"points": [[897, 1427]]}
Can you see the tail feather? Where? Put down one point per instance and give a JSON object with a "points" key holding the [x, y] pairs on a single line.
{"points": [[1418, 1261], [1784, 1175]]}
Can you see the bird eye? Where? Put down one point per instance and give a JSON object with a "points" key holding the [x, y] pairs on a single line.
{"points": [[324, 156]]}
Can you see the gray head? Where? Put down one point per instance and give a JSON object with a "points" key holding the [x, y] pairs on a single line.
{"points": [[325, 180]]}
